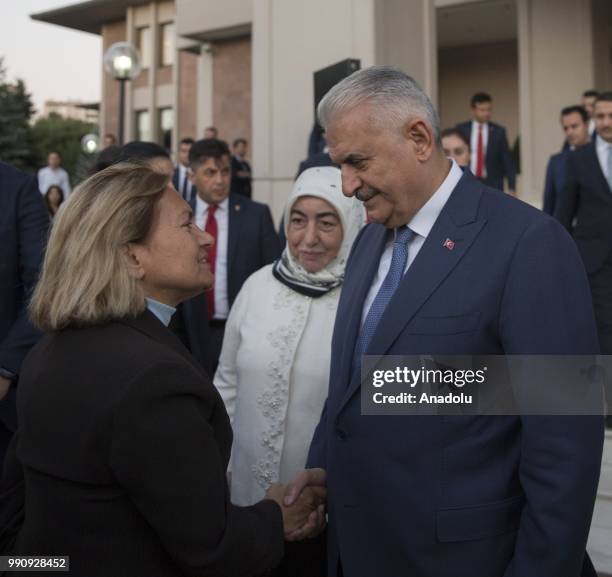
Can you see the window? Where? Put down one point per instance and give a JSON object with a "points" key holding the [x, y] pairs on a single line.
{"points": [[166, 44], [166, 124], [143, 125], [143, 43]]}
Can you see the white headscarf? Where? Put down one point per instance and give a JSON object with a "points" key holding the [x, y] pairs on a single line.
{"points": [[321, 182]]}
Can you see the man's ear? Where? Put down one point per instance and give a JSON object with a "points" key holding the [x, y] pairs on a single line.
{"points": [[131, 253], [419, 133]]}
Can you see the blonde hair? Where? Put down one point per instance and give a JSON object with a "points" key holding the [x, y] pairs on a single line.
{"points": [[84, 278]]}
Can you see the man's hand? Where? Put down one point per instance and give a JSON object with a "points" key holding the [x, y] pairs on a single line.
{"points": [[5, 385], [316, 520], [308, 505]]}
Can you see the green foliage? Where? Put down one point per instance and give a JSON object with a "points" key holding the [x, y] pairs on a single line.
{"points": [[16, 109], [63, 135]]}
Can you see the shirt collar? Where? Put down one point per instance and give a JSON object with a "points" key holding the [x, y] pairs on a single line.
{"points": [[476, 124], [202, 206], [162, 311], [422, 222], [602, 145]]}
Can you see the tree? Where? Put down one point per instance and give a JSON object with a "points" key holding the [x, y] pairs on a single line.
{"points": [[16, 109], [55, 133]]}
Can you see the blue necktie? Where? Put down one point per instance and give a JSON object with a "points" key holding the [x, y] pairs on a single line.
{"points": [[396, 271]]}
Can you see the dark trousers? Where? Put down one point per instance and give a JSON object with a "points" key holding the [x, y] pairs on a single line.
{"points": [[601, 291]]}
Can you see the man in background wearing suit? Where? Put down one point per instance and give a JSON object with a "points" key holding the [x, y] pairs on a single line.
{"points": [[588, 102], [23, 231], [241, 169], [180, 178], [448, 266], [245, 241], [585, 209], [491, 160], [575, 124]]}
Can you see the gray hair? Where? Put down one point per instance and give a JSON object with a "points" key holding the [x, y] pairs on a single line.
{"points": [[395, 96]]}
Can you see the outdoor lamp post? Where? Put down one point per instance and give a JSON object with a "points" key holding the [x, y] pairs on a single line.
{"points": [[123, 62], [90, 143]]}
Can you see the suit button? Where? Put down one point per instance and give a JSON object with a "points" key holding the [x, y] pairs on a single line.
{"points": [[341, 434]]}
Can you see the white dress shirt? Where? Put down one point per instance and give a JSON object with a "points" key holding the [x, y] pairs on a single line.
{"points": [[222, 218], [421, 224], [603, 150], [474, 147], [182, 176], [47, 177]]}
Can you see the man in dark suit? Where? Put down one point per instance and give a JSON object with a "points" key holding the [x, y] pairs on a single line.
{"points": [[585, 209], [241, 169], [23, 230], [449, 266], [491, 160], [575, 124], [180, 177], [245, 241]]}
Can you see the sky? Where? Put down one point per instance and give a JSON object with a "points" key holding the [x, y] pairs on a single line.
{"points": [[56, 63]]}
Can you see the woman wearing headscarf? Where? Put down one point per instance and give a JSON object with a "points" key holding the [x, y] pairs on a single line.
{"points": [[274, 367], [120, 458]]}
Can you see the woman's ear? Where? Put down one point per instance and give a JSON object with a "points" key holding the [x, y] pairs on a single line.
{"points": [[419, 133], [132, 255]]}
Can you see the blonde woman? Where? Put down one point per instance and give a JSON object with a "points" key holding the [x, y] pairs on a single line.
{"points": [[123, 443]]}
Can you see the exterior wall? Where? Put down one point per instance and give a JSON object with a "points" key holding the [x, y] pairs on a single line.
{"points": [[198, 19], [109, 106], [406, 39], [555, 65], [291, 40], [602, 41], [493, 68], [232, 88], [187, 95]]}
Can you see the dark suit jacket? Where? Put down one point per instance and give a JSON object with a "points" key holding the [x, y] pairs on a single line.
{"points": [[498, 159], [23, 232], [176, 183], [319, 159], [555, 181], [252, 244], [463, 496], [240, 184], [123, 445], [587, 198]]}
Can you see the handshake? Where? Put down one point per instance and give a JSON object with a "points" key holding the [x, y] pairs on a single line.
{"points": [[302, 503]]}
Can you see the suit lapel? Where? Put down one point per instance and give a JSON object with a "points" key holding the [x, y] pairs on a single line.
{"points": [[233, 234], [354, 293], [457, 223]]}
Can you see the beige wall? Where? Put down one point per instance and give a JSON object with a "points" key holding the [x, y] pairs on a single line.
{"points": [[188, 95], [232, 88], [200, 19], [555, 65], [292, 39], [406, 39], [109, 110], [492, 68], [602, 43]]}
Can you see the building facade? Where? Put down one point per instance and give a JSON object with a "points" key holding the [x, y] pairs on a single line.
{"points": [[246, 66]]}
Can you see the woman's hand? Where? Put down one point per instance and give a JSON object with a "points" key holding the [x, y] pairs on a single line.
{"points": [[307, 509]]}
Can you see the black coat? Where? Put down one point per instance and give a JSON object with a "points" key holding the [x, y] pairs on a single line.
{"points": [[23, 231], [124, 444], [586, 197]]}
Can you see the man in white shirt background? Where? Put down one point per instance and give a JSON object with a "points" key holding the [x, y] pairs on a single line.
{"points": [[54, 174], [245, 241], [491, 160], [180, 178], [585, 209]]}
